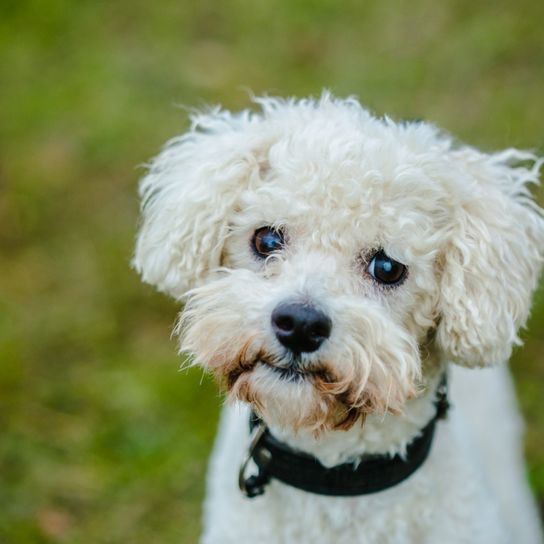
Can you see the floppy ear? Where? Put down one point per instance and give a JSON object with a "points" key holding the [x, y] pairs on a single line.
{"points": [[188, 195], [491, 266]]}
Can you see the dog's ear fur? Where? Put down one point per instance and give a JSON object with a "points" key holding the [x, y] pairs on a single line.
{"points": [[189, 193], [491, 265]]}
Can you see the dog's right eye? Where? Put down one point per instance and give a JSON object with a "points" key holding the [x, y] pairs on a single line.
{"points": [[386, 270], [266, 241]]}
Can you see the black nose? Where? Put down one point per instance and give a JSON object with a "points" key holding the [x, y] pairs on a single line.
{"points": [[300, 327]]}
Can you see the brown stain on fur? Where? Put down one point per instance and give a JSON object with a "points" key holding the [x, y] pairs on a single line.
{"points": [[243, 362]]}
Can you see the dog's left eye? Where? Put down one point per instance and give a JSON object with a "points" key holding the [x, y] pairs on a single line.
{"points": [[386, 270], [266, 241]]}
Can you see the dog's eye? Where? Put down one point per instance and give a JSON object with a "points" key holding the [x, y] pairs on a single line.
{"points": [[266, 241], [386, 270]]}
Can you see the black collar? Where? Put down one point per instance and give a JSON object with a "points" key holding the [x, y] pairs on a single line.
{"points": [[373, 473]]}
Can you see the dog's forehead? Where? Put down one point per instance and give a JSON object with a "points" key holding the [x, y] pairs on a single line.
{"points": [[339, 197], [355, 166]]}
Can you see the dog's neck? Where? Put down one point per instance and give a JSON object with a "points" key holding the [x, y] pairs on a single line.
{"points": [[380, 433]]}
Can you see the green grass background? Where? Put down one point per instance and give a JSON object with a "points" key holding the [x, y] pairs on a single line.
{"points": [[102, 440]]}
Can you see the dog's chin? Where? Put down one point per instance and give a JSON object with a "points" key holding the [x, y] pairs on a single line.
{"points": [[294, 398]]}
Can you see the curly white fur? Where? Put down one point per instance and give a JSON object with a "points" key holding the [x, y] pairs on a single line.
{"points": [[341, 183]]}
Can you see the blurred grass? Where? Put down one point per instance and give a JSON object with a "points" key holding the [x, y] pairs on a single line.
{"points": [[102, 440]]}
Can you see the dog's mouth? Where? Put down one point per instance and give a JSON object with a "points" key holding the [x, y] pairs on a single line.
{"points": [[294, 373], [289, 373]]}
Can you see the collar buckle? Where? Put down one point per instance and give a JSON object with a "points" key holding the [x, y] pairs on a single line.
{"points": [[254, 485]]}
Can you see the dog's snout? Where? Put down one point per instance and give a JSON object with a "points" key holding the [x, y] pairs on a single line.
{"points": [[300, 327]]}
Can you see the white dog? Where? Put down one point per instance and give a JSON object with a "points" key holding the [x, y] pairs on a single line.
{"points": [[334, 268]]}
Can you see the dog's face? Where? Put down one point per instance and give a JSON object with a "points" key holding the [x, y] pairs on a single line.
{"points": [[328, 291], [328, 258]]}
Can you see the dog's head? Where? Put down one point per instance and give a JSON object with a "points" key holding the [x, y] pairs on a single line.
{"points": [[326, 257]]}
